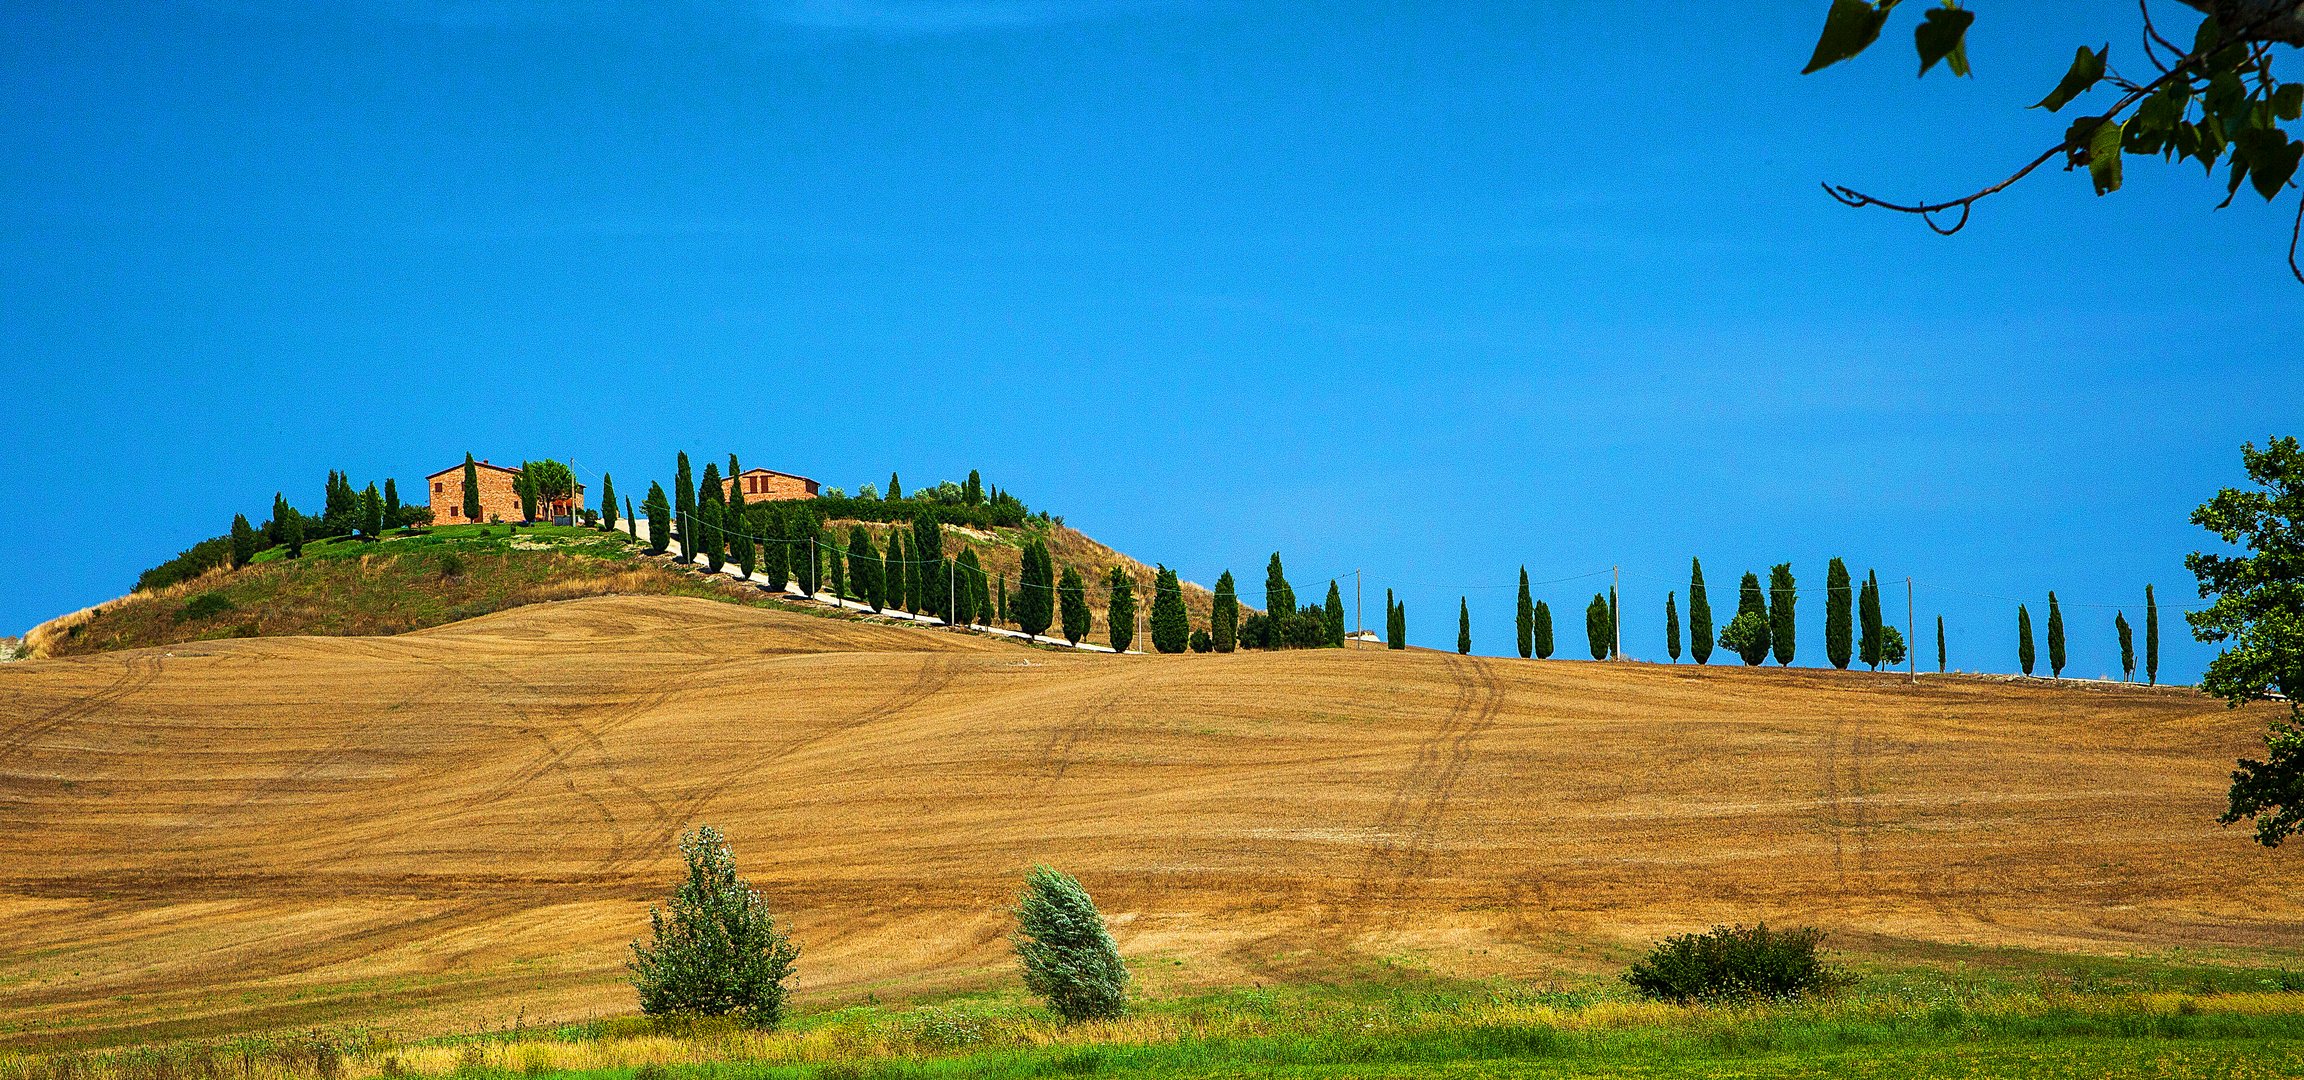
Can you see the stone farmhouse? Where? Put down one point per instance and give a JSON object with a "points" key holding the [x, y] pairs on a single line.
{"points": [[499, 496], [769, 485]]}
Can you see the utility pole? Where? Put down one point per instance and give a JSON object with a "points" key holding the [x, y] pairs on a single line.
{"points": [[1359, 626], [1911, 644], [1616, 601]]}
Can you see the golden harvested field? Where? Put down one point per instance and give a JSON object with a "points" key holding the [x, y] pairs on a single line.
{"points": [[461, 826]]}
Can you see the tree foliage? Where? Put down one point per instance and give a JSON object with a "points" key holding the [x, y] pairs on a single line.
{"points": [[714, 948], [1068, 956], [659, 512], [1120, 610], [1783, 595], [1671, 627], [1839, 626], [2214, 101], [1224, 616], [1524, 620], [1078, 619], [1751, 644], [2024, 638], [471, 488], [1699, 615], [1036, 589], [1596, 626], [2055, 637], [1171, 627], [2256, 612], [1463, 626], [1543, 631]]}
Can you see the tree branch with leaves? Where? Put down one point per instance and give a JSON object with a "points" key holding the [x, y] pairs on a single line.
{"points": [[2214, 102]]}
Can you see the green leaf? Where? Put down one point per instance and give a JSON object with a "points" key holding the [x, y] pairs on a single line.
{"points": [[2104, 157], [1942, 35], [2206, 36], [1850, 28], [2087, 68], [2272, 159], [2289, 101]]}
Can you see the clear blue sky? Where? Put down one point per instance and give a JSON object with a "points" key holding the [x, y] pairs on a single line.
{"points": [[1433, 290]]}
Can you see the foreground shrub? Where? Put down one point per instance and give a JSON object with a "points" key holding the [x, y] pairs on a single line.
{"points": [[717, 951], [1068, 956], [204, 606], [1736, 964]]}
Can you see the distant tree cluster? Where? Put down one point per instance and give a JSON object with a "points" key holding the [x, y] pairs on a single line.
{"points": [[347, 511]]}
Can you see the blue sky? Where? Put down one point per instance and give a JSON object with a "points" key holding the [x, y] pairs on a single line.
{"points": [[1431, 290]]}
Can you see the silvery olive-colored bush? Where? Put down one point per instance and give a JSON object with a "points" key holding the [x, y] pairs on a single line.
{"points": [[1068, 956], [715, 950]]}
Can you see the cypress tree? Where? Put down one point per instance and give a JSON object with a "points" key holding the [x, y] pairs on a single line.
{"points": [[659, 520], [2127, 646], [987, 605], [630, 522], [1783, 593], [2151, 639], [1120, 613], [775, 554], [1839, 626], [741, 550], [734, 519], [1332, 614], [1939, 644], [607, 502], [864, 567], [371, 513], [895, 571], [526, 487], [1596, 625], [1035, 592], [391, 503], [836, 557], [1869, 620], [2024, 638], [292, 534], [1224, 616], [684, 506], [1699, 615], [1751, 600], [971, 592], [276, 530], [1073, 594], [895, 487], [1279, 599], [709, 488], [2055, 637], [1524, 620], [1171, 627], [1543, 631], [1671, 628], [243, 541], [807, 562], [1463, 626], [708, 525], [1615, 627], [972, 492], [471, 488]]}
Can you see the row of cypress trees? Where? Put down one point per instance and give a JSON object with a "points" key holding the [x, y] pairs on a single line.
{"points": [[2120, 628]]}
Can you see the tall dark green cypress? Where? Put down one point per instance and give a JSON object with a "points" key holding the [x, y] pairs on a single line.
{"points": [[1751, 599], [1839, 624], [1463, 626], [864, 568], [1224, 616], [607, 502], [708, 531], [899, 572], [1171, 627], [1332, 616], [371, 513], [1524, 620], [2055, 637], [895, 487], [1395, 623], [1699, 615], [1120, 610], [391, 504], [471, 488], [684, 506], [1940, 655], [243, 541], [970, 600], [1869, 620], [2127, 646], [1543, 631], [2151, 639], [1783, 594], [2024, 638], [774, 524], [631, 522], [807, 562], [1035, 591], [276, 531], [1072, 595], [741, 549], [1279, 599], [292, 534], [1671, 627], [1596, 625], [659, 520]]}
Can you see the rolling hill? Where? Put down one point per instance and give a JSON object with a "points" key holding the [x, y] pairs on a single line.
{"points": [[449, 828]]}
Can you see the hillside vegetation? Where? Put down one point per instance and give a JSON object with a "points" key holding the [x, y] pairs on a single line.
{"points": [[455, 828]]}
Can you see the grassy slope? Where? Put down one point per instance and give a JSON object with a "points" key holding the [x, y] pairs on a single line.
{"points": [[448, 829]]}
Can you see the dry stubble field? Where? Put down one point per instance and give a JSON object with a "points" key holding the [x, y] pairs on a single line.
{"points": [[462, 826]]}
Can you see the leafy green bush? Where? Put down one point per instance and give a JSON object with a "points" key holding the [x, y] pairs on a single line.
{"points": [[206, 605], [188, 564], [1734, 964], [717, 951], [1068, 956]]}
